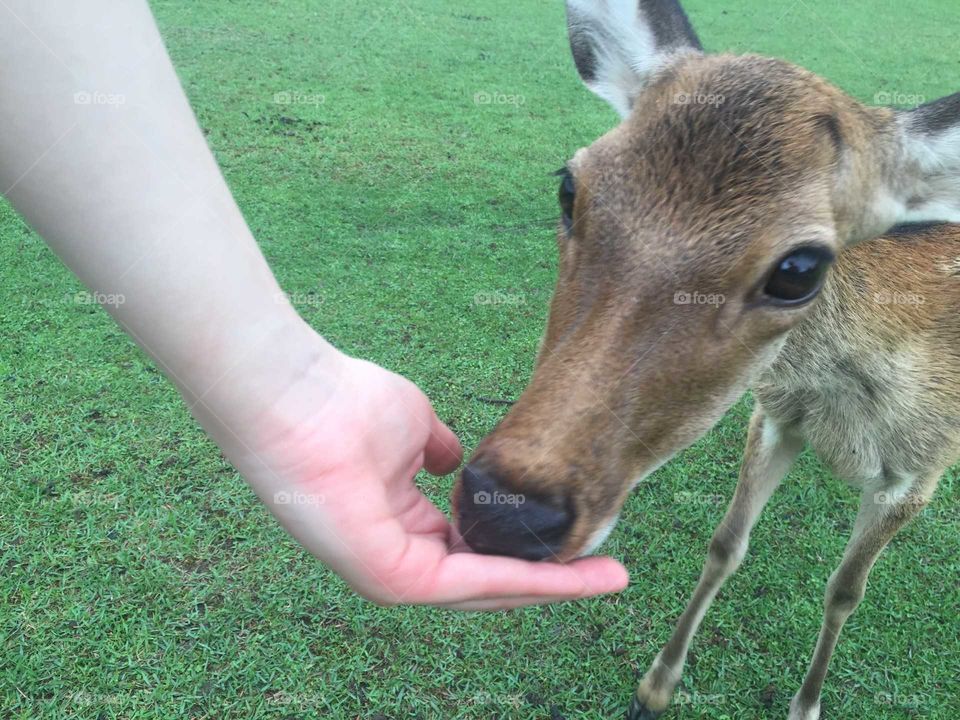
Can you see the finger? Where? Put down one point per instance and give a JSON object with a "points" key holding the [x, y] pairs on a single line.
{"points": [[504, 603], [443, 453], [463, 577], [425, 519]]}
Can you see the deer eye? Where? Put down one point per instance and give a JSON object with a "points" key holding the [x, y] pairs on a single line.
{"points": [[567, 195], [797, 278]]}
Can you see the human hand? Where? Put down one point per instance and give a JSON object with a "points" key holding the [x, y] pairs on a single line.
{"points": [[335, 459], [151, 220]]}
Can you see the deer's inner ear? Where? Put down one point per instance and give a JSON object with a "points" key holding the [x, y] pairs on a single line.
{"points": [[618, 46]]}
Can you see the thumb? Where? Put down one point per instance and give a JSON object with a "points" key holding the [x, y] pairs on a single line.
{"points": [[442, 453]]}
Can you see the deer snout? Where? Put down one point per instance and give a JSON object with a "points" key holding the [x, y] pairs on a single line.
{"points": [[495, 519]]}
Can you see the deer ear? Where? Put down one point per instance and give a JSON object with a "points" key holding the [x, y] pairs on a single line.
{"points": [[618, 45], [929, 164]]}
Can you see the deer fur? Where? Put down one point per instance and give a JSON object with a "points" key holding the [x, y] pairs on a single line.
{"points": [[722, 166]]}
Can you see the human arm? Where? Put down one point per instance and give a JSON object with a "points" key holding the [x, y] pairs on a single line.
{"points": [[102, 155]]}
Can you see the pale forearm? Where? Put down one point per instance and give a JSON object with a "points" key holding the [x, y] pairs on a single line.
{"points": [[101, 153]]}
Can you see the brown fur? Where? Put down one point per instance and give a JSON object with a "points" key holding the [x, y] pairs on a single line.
{"points": [[688, 197], [873, 377], [680, 198]]}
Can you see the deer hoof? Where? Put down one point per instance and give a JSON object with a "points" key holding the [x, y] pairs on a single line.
{"points": [[639, 711]]}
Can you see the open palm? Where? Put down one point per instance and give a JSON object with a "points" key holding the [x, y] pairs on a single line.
{"points": [[337, 467]]}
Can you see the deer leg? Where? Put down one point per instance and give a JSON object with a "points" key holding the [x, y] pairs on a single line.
{"points": [[880, 517], [769, 454]]}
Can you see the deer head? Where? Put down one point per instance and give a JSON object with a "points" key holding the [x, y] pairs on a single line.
{"points": [[694, 236]]}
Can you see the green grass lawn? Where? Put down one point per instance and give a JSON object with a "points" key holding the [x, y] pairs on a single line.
{"points": [[139, 576]]}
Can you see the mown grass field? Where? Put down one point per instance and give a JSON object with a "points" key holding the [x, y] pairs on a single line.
{"points": [[410, 172]]}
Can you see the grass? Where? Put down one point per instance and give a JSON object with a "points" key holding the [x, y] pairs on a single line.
{"points": [[139, 577]]}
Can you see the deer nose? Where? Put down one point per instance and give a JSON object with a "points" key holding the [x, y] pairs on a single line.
{"points": [[496, 520]]}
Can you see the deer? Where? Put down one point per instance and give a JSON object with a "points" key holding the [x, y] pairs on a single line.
{"points": [[822, 233]]}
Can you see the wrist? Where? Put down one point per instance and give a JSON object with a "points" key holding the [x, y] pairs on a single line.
{"points": [[240, 381]]}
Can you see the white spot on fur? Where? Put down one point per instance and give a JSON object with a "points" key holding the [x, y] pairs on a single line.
{"points": [[596, 540], [798, 712], [885, 211], [770, 435], [656, 697], [952, 267], [603, 532]]}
